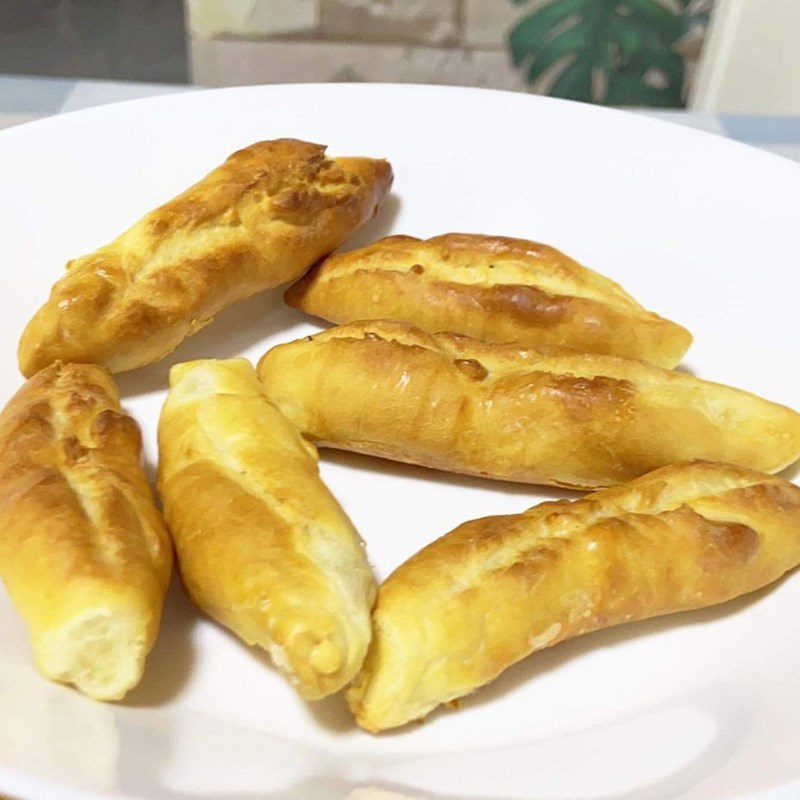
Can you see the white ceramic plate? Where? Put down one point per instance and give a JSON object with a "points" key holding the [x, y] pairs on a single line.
{"points": [[705, 231]]}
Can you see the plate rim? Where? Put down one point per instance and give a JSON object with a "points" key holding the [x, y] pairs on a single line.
{"points": [[640, 115]]}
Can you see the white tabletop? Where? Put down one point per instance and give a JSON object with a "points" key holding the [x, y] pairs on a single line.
{"points": [[23, 99]]}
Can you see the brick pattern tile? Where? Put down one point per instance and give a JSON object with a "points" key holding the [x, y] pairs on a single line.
{"points": [[397, 21], [207, 19], [487, 22], [225, 62]]}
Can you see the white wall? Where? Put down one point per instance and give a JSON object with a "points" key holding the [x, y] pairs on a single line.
{"points": [[751, 63]]}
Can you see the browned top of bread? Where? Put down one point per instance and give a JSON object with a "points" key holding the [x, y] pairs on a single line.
{"points": [[479, 260], [296, 178], [260, 219], [491, 287], [66, 442]]}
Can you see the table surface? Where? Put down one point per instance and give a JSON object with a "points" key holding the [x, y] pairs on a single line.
{"points": [[23, 99]]}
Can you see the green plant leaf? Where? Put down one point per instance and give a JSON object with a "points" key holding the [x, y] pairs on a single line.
{"points": [[570, 41], [630, 43], [628, 37], [574, 83], [667, 23], [631, 86], [535, 29]]}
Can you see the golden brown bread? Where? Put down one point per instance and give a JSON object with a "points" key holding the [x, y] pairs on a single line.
{"points": [[83, 551], [260, 219], [262, 545], [541, 416], [492, 288], [494, 590]]}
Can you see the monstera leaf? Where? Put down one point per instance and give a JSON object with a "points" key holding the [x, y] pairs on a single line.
{"points": [[617, 52]]}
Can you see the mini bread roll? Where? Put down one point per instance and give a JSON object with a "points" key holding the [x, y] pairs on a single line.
{"points": [[83, 551], [262, 218], [263, 546], [492, 288], [503, 411], [494, 590]]}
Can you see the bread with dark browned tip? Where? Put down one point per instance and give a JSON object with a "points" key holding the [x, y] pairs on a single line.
{"points": [[492, 288]]}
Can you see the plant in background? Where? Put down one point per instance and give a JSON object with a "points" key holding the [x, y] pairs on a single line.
{"points": [[613, 52]]}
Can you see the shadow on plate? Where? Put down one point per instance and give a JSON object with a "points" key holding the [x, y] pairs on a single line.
{"points": [[686, 370], [379, 226], [235, 329], [791, 472], [398, 469], [170, 664], [733, 717], [330, 713]]}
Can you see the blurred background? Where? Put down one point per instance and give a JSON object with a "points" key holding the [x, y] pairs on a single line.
{"points": [[729, 56]]}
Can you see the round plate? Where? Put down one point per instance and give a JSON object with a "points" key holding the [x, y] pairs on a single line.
{"points": [[703, 230]]}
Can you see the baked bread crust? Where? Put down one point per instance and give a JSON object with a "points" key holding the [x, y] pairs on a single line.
{"points": [[84, 552], [262, 545], [549, 416], [492, 288], [262, 218], [494, 590]]}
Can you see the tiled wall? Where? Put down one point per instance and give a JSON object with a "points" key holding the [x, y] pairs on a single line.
{"points": [[418, 41], [461, 42]]}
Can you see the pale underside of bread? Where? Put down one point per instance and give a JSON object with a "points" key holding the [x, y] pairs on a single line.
{"points": [[262, 545], [83, 550], [262, 218], [492, 288], [497, 589], [539, 415]]}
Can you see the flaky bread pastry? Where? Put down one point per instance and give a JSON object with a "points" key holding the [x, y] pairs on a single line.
{"points": [[83, 550], [494, 590], [500, 411], [492, 288], [262, 218], [262, 545]]}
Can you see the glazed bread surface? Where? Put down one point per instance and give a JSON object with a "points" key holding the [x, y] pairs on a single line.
{"points": [[262, 545], [83, 550], [492, 288], [547, 416], [495, 590], [262, 218]]}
